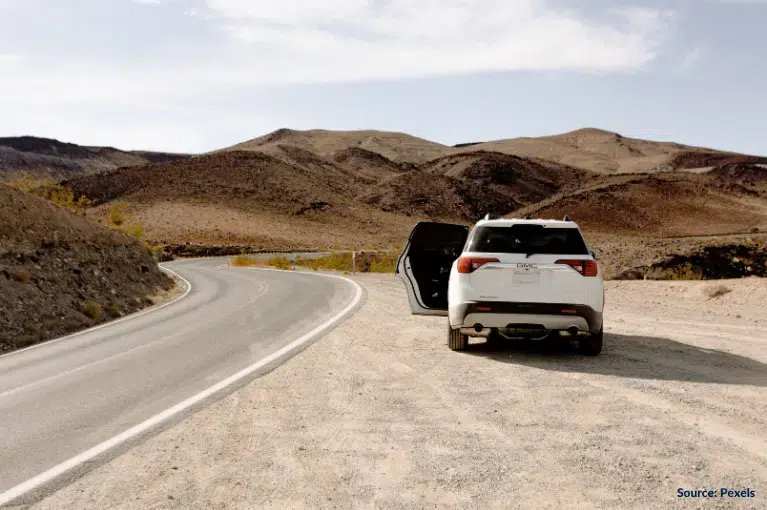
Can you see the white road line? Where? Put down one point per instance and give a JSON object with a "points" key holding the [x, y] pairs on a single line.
{"points": [[112, 323], [157, 419], [120, 354]]}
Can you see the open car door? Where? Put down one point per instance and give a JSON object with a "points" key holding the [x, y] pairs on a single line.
{"points": [[425, 265]]}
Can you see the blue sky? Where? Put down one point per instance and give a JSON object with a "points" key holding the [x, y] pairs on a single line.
{"points": [[196, 75]]}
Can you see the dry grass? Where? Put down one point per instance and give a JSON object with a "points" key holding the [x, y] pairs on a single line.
{"points": [[116, 214], [276, 262], [366, 262], [113, 311], [136, 230], [93, 310], [280, 263], [21, 276], [683, 272], [716, 291], [59, 194]]}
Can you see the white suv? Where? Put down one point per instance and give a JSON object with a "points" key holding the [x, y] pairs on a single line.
{"points": [[507, 278]]}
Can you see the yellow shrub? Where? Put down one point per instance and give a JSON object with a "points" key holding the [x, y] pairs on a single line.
{"points": [[244, 261], [116, 214], [136, 230], [92, 310]]}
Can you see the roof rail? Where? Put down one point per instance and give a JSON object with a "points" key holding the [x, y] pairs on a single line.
{"points": [[567, 218]]}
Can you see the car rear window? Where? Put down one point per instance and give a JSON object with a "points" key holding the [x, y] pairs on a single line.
{"points": [[528, 239]]}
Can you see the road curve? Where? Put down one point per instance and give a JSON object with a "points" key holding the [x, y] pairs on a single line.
{"points": [[60, 399]]}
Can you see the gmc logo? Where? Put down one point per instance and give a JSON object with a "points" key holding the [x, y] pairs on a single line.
{"points": [[526, 266]]}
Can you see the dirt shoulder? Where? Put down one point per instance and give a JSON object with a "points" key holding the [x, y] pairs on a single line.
{"points": [[380, 414]]}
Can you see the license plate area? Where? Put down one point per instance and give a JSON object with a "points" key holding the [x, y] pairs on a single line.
{"points": [[526, 278]]}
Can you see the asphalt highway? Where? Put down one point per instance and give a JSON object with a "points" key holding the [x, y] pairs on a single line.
{"points": [[62, 398]]}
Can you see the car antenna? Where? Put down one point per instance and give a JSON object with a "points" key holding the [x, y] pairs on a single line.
{"points": [[528, 217], [487, 216], [567, 218]]}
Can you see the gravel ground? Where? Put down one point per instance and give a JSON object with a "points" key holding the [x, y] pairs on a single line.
{"points": [[380, 414]]}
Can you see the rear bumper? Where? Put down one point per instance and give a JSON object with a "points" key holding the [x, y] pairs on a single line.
{"points": [[553, 316]]}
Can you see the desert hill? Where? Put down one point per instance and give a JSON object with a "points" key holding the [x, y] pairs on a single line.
{"points": [[61, 272], [472, 184], [283, 196], [609, 153], [292, 200], [596, 150], [321, 189], [316, 189], [398, 147], [664, 204], [370, 165], [48, 158]]}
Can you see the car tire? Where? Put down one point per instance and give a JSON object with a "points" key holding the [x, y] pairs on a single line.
{"points": [[592, 345], [456, 340]]}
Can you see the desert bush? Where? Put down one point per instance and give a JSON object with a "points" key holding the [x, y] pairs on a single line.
{"points": [[26, 341], [683, 271], [113, 310], [244, 261], [332, 262], [64, 197], [367, 262], [716, 291], [280, 262], [92, 310], [116, 214], [384, 263], [21, 275], [54, 192], [136, 230], [25, 182]]}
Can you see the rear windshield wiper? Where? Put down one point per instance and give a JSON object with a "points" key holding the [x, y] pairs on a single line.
{"points": [[529, 255]]}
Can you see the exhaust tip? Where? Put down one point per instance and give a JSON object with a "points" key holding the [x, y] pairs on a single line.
{"points": [[573, 330], [478, 327]]}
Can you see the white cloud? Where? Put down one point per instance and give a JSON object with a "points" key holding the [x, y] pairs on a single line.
{"points": [[691, 59], [339, 40], [6, 58], [7, 62]]}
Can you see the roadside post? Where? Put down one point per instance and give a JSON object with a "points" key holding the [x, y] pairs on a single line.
{"points": [[354, 262]]}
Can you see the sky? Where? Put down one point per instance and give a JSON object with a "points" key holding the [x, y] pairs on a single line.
{"points": [[198, 75]]}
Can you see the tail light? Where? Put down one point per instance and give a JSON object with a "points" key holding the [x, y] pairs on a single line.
{"points": [[471, 264], [584, 267]]}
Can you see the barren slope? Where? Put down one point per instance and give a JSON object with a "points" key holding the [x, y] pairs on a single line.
{"points": [[284, 196], [246, 197], [48, 158], [591, 149], [664, 205], [470, 185], [368, 165], [398, 147], [52, 262], [606, 152]]}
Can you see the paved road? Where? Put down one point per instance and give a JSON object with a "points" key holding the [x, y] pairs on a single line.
{"points": [[62, 398]]}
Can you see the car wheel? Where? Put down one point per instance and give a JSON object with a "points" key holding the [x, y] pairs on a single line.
{"points": [[455, 339], [592, 345]]}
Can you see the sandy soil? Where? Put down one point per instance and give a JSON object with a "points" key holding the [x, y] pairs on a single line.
{"points": [[380, 414]]}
